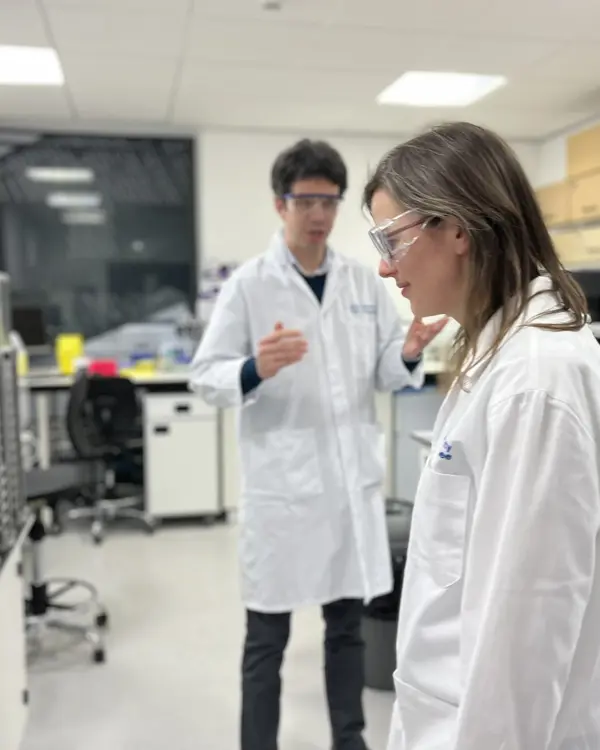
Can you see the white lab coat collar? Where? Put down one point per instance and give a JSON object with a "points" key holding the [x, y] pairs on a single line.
{"points": [[322, 269], [283, 256], [542, 301], [278, 257]]}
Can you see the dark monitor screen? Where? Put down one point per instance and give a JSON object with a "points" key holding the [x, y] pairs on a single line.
{"points": [[29, 323]]}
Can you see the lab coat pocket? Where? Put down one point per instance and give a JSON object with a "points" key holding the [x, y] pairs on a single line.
{"points": [[372, 455], [300, 459], [439, 525], [284, 463]]}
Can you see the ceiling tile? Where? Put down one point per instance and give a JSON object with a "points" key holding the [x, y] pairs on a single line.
{"points": [[379, 48], [146, 72], [123, 5], [316, 64], [109, 32], [121, 88], [574, 62], [550, 19], [21, 24], [312, 11], [32, 101], [343, 48], [272, 85], [239, 42], [134, 106]]}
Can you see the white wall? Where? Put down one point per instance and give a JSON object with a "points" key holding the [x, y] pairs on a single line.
{"points": [[237, 217], [552, 161], [237, 213]]}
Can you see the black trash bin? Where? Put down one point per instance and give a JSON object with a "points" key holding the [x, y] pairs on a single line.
{"points": [[380, 617]]}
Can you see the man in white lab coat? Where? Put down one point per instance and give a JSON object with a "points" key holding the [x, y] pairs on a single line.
{"points": [[300, 339]]}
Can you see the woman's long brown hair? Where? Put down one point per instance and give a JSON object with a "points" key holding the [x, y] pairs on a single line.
{"points": [[466, 172]]}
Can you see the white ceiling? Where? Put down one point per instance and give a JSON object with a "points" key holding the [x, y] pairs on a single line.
{"points": [[176, 65]]}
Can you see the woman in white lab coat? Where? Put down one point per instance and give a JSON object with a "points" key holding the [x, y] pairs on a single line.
{"points": [[499, 631]]}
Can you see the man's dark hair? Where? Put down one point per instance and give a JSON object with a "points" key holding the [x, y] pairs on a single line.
{"points": [[307, 160]]}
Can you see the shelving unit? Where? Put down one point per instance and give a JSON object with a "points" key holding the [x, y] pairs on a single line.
{"points": [[571, 208]]}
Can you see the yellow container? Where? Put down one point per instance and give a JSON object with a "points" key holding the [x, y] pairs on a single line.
{"points": [[22, 364], [68, 349], [145, 367]]}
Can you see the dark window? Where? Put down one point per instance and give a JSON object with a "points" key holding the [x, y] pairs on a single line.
{"points": [[126, 256]]}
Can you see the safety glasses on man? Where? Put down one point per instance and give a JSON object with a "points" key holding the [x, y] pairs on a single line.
{"points": [[306, 202]]}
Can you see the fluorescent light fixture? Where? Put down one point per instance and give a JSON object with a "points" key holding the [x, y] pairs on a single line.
{"points": [[422, 89], [74, 200], [87, 218], [59, 174], [30, 66]]}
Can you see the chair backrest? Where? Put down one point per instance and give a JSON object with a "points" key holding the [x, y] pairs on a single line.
{"points": [[80, 427], [102, 414], [115, 408]]}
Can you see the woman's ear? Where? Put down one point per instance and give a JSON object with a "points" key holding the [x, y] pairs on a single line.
{"points": [[461, 240]]}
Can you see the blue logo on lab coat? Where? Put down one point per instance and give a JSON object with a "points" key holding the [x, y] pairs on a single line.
{"points": [[364, 309], [446, 451]]}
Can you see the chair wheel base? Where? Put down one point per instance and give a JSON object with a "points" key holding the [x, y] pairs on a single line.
{"points": [[99, 656], [97, 533], [102, 620]]}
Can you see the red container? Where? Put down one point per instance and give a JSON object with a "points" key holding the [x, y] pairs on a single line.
{"points": [[108, 368]]}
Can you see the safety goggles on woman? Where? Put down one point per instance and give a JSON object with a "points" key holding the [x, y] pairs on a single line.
{"points": [[394, 237]]}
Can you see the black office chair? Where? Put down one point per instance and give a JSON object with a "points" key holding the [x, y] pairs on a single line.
{"points": [[105, 427]]}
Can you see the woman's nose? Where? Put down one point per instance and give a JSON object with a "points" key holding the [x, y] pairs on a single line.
{"points": [[385, 269]]}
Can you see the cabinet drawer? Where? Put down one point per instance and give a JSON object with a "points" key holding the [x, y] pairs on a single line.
{"points": [[555, 203], [168, 405], [181, 466], [586, 198], [583, 152]]}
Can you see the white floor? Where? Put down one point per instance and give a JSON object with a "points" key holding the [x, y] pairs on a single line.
{"points": [[171, 678]]}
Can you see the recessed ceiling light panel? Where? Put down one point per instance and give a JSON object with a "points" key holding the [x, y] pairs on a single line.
{"points": [[30, 66], [59, 174], [427, 89], [74, 200], [84, 218]]}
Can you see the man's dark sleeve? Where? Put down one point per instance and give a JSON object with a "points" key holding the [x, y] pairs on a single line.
{"points": [[411, 364], [249, 378]]}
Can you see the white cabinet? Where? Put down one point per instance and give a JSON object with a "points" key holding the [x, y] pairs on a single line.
{"points": [[182, 461], [13, 669]]}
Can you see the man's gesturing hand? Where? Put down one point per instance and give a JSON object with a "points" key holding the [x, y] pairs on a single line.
{"points": [[279, 349]]}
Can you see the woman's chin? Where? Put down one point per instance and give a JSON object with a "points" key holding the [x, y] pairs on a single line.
{"points": [[417, 309], [421, 309]]}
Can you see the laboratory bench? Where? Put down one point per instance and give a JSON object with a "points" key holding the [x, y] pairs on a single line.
{"points": [[45, 384], [192, 466], [183, 437]]}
